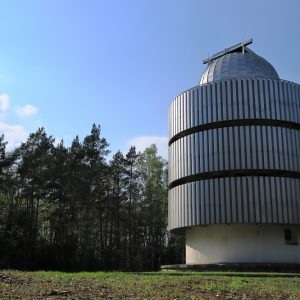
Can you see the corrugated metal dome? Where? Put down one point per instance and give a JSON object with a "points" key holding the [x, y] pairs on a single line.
{"points": [[241, 62]]}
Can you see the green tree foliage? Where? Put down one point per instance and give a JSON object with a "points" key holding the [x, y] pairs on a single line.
{"points": [[68, 208]]}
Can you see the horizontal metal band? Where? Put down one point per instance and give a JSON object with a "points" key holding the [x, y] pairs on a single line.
{"points": [[231, 123], [235, 200], [235, 99], [234, 173]]}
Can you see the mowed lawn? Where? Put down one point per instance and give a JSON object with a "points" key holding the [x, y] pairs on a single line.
{"points": [[156, 285]]}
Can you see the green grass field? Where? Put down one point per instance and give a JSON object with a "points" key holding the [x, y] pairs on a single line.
{"points": [[156, 285]]}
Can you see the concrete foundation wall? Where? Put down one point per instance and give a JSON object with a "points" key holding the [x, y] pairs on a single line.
{"points": [[242, 244]]}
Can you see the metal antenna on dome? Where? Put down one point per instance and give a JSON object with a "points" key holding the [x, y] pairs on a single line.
{"points": [[228, 50]]}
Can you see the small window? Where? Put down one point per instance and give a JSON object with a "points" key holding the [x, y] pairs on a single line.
{"points": [[290, 237]]}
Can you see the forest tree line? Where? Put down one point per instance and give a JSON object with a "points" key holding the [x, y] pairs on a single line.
{"points": [[69, 208]]}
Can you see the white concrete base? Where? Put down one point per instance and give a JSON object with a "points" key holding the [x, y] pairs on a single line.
{"points": [[241, 244]]}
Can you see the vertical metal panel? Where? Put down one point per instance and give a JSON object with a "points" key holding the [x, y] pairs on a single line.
{"points": [[262, 200], [261, 98], [294, 183], [297, 141], [297, 100], [248, 147], [240, 98], [250, 199], [184, 112], [197, 153], [217, 201], [224, 100], [211, 200], [289, 148], [259, 150], [219, 102], [229, 100], [180, 160], [234, 99], [175, 118], [209, 103], [216, 156], [283, 199], [169, 121], [239, 200], [257, 104], [204, 106], [233, 200], [273, 200], [293, 146], [226, 148], [191, 106], [201, 106], [187, 110], [178, 129], [277, 147], [228, 199], [206, 201], [250, 99], [271, 99], [256, 193], [265, 148], [205, 150], [296, 193], [286, 102], [181, 113], [267, 98], [202, 202], [222, 201], [289, 199], [194, 204], [270, 149], [201, 150], [178, 117], [189, 204], [289, 102], [280, 149], [295, 150], [214, 103], [210, 151], [170, 167], [197, 200], [231, 148], [296, 103], [281, 102], [186, 151], [237, 146], [245, 200], [193, 154], [286, 147], [196, 106], [276, 101], [243, 147], [253, 143], [279, 199]]}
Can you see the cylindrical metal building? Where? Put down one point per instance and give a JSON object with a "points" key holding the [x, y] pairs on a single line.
{"points": [[234, 162]]}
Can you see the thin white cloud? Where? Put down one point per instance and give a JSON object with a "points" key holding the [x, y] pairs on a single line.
{"points": [[13, 134], [4, 104], [142, 142], [27, 110]]}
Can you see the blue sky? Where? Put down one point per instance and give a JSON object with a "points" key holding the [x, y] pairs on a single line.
{"points": [[67, 64]]}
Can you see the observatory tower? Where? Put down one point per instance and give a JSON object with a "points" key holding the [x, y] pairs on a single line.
{"points": [[234, 163]]}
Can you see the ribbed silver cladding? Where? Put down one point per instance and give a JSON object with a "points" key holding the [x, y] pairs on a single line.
{"points": [[238, 126]]}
